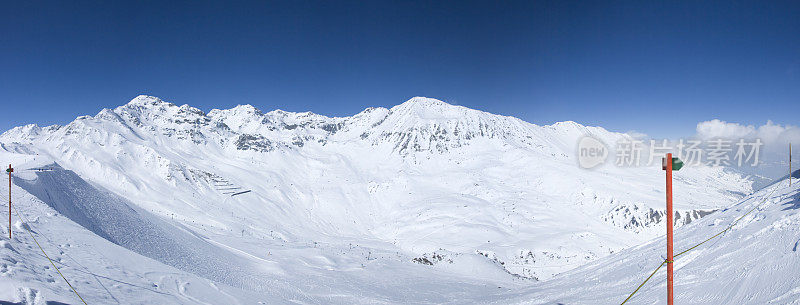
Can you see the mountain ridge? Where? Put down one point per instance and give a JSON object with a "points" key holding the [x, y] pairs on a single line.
{"points": [[419, 175]]}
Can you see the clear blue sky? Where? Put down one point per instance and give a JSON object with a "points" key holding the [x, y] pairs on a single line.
{"points": [[613, 65]]}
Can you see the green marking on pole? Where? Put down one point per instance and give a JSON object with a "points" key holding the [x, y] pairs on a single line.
{"points": [[677, 164]]}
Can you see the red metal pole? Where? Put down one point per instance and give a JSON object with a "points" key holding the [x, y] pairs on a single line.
{"points": [[670, 290], [9, 202]]}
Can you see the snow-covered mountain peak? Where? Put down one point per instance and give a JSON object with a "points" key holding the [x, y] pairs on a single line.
{"points": [[246, 109], [240, 111], [574, 129], [151, 106], [157, 111], [147, 100], [107, 114], [22, 133], [371, 110], [567, 124], [426, 124], [423, 101], [428, 109], [281, 115], [241, 119]]}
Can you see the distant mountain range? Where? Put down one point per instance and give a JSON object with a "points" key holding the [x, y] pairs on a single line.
{"points": [[437, 181]]}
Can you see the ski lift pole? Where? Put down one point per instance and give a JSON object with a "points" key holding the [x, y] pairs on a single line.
{"points": [[669, 164]]}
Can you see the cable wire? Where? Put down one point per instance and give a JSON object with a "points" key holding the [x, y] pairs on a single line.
{"points": [[703, 242], [25, 226]]}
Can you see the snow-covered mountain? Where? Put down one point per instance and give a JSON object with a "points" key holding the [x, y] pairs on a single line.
{"points": [[443, 188]]}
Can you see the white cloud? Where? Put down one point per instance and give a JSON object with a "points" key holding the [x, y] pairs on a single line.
{"points": [[721, 129], [771, 134], [773, 155], [775, 137]]}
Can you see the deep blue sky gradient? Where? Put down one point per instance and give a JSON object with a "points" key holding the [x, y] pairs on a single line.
{"points": [[614, 65]]}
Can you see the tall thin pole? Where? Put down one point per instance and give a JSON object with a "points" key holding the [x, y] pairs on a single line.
{"points": [[790, 164], [670, 291], [9, 200]]}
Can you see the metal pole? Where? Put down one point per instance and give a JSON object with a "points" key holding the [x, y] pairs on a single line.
{"points": [[9, 201], [790, 164], [670, 290]]}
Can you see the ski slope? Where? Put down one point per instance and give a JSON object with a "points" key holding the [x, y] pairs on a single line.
{"points": [[119, 221], [755, 262]]}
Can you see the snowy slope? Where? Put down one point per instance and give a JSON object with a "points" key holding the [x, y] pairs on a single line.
{"points": [[427, 185], [753, 263], [102, 272], [105, 272]]}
